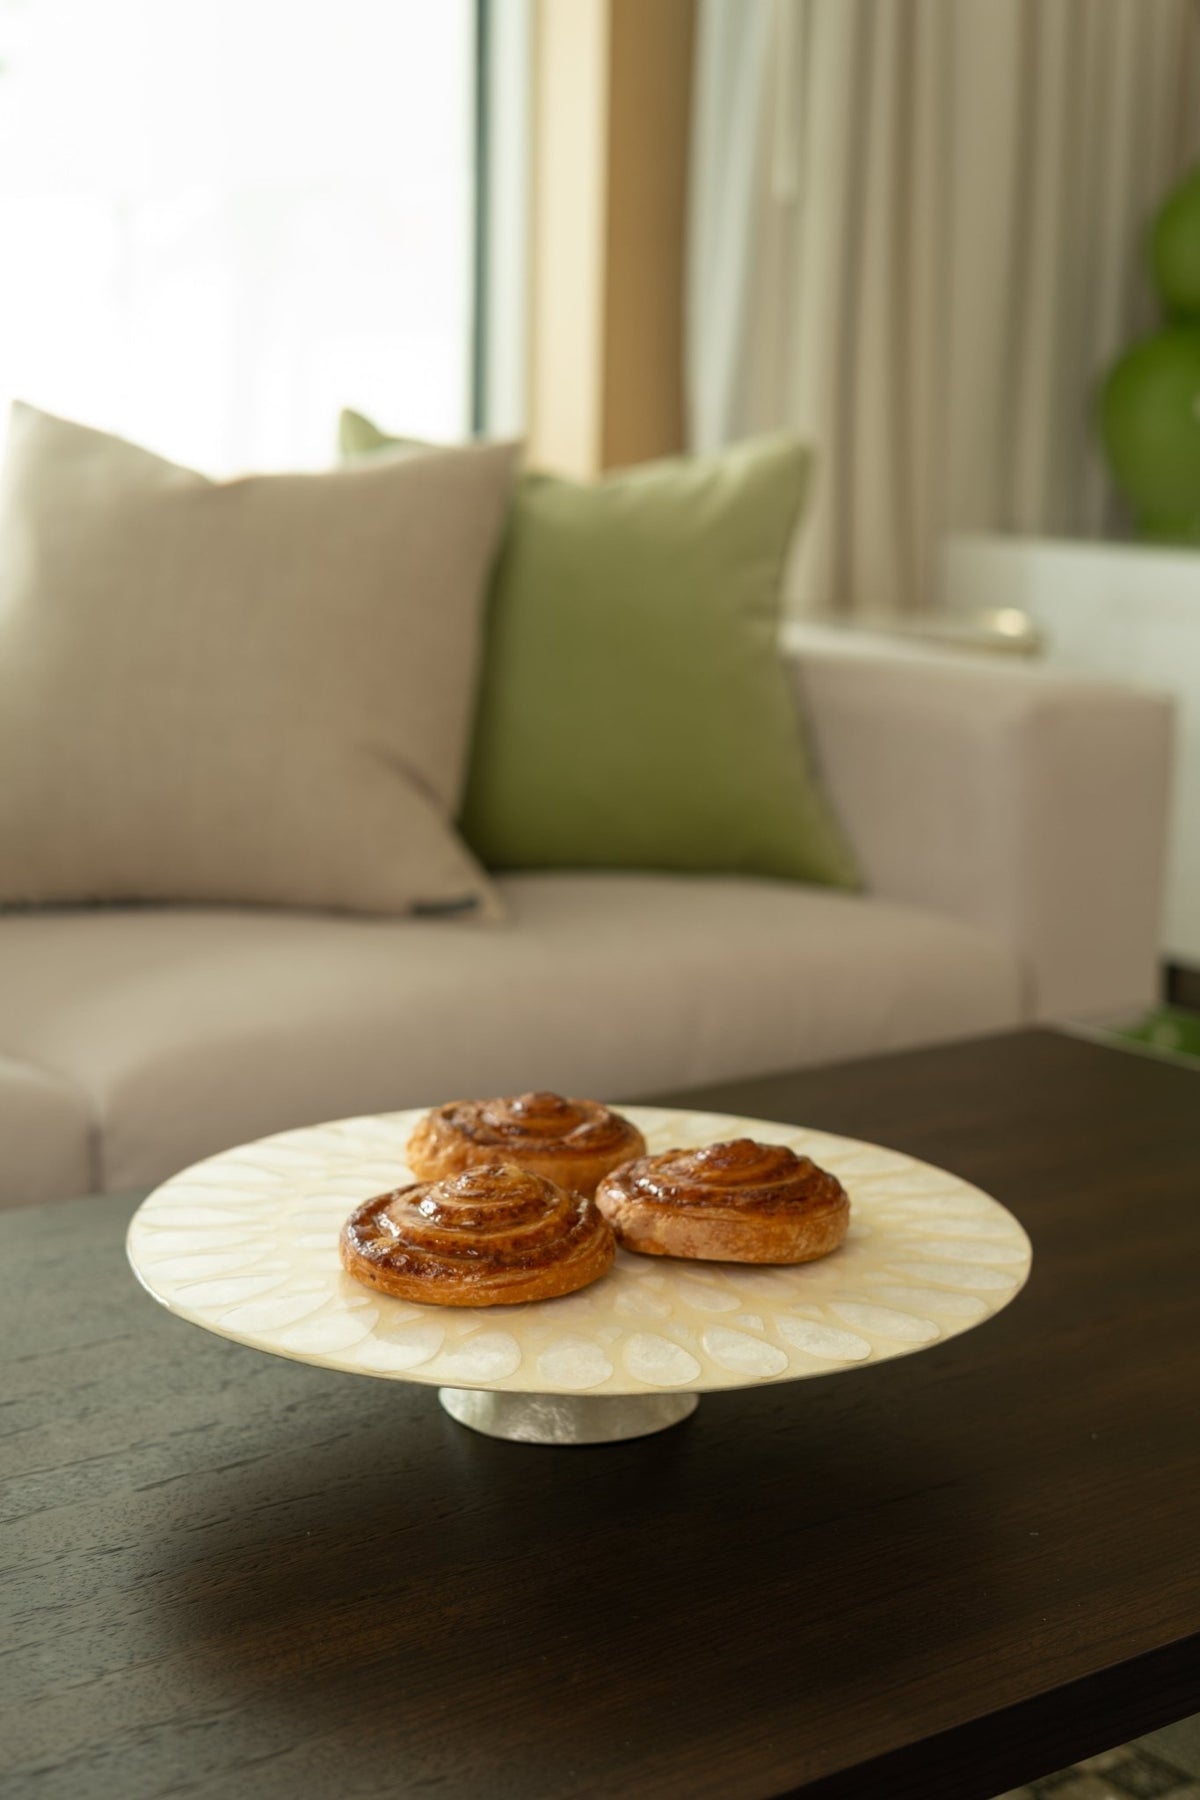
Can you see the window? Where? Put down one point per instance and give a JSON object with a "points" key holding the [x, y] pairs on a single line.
{"points": [[222, 220]]}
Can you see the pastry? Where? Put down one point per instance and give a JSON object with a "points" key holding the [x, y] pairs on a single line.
{"points": [[734, 1202], [491, 1236], [572, 1142]]}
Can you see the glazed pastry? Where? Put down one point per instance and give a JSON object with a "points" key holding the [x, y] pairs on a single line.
{"points": [[571, 1142], [492, 1236], [735, 1202]]}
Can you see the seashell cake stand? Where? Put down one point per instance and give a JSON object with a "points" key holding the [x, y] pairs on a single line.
{"points": [[246, 1245]]}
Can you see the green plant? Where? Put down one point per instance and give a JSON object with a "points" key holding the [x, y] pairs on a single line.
{"points": [[1150, 402]]}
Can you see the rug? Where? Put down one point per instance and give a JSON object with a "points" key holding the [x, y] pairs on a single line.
{"points": [[1130, 1773]]}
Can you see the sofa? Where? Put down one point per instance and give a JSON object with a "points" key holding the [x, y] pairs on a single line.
{"points": [[1009, 825]]}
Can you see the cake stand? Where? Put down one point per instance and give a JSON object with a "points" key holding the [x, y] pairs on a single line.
{"points": [[246, 1245]]}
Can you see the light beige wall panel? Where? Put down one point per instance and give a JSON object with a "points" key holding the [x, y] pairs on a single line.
{"points": [[611, 157]]}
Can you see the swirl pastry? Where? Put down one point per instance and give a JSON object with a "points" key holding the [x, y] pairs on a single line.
{"points": [[491, 1236], [571, 1142], [734, 1202]]}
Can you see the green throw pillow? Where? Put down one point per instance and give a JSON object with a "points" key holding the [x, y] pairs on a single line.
{"points": [[635, 710]]}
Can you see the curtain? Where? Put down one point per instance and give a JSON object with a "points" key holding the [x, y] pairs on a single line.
{"points": [[916, 237]]}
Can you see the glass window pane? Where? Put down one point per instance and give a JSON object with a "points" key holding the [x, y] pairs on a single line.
{"points": [[224, 219]]}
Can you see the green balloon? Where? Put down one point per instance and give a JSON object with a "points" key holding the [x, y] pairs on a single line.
{"points": [[1150, 422], [1175, 248]]}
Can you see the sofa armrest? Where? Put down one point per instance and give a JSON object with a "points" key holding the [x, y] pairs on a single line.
{"points": [[1009, 796]]}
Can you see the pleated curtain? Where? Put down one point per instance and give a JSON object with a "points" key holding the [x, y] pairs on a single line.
{"points": [[916, 236]]}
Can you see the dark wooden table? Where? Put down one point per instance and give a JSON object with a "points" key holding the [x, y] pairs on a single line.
{"points": [[227, 1575]]}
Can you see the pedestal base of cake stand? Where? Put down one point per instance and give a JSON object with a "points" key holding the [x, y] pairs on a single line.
{"points": [[565, 1418]]}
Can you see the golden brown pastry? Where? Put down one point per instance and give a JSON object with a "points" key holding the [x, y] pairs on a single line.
{"points": [[571, 1142], [491, 1236], [734, 1202]]}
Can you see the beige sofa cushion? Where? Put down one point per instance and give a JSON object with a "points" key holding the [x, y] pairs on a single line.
{"points": [[251, 691], [194, 1030], [45, 1137]]}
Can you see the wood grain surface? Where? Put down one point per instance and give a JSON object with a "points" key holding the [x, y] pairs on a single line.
{"points": [[226, 1575]]}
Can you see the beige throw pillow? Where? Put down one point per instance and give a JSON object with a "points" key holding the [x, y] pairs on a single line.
{"points": [[251, 691]]}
